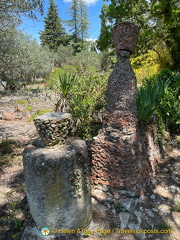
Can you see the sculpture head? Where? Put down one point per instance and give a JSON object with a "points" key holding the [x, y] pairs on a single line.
{"points": [[125, 36]]}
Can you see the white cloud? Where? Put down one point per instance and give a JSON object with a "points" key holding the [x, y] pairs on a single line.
{"points": [[89, 2]]}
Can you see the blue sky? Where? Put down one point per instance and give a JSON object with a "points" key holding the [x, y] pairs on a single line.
{"points": [[94, 9]]}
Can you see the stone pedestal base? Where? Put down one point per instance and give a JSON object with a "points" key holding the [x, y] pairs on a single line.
{"points": [[57, 185]]}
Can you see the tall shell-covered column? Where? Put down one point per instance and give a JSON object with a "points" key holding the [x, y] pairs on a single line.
{"points": [[117, 152]]}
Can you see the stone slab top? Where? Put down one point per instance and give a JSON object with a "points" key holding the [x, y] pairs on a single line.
{"points": [[54, 116]]}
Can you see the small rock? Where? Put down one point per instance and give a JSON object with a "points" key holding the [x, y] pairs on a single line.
{"points": [[174, 189], [153, 197], [108, 206], [175, 165], [136, 201], [141, 198], [164, 208], [128, 204], [128, 193], [133, 226], [150, 236], [155, 210], [176, 217], [165, 169], [149, 213], [124, 218], [113, 211], [138, 215]]}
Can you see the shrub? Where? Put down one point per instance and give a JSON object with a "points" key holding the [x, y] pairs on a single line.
{"points": [[64, 86], [166, 103], [88, 96], [148, 97]]}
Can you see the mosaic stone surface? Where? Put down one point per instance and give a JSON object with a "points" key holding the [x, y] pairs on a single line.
{"points": [[119, 153], [53, 127]]}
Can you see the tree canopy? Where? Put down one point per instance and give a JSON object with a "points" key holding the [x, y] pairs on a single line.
{"points": [[79, 20], [158, 19], [12, 11], [54, 33]]}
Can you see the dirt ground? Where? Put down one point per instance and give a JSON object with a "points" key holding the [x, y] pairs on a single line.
{"points": [[17, 131]]}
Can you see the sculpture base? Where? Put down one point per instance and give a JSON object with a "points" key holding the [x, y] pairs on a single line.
{"points": [[58, 185]]}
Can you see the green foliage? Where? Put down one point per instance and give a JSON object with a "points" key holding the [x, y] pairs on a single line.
{"points": [[78, 23], [28, 108], [159, 22], [104, 41], [12, 12], [165, 226], [148, 97], [64, 55], [54, 33], [23, 60], [84, 94], [87, 97], [40, 112], [87, 61], [176, 207], [65, 83], [5, 146], [21, 102], [166, 102]]}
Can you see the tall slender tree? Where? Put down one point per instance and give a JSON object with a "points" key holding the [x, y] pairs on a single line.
{"points": [[84, 24], [74, 22], [54, 33], [79, 20]]}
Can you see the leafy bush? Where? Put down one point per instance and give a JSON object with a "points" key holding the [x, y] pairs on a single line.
{"points": [[5, 146], [88, 96], [148, 97], [64, 55], [22, 60], [83, 91], [166, 103]]}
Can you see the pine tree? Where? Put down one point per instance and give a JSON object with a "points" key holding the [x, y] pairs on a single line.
{"points": [[54, 33], [79, 20], [84, 24]]}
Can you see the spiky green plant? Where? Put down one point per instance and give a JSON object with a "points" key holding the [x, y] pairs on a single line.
{"points": [[64, 85], [147, 98]]}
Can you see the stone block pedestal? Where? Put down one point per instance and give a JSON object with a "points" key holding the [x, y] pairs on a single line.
{"points": [[57, 185]]}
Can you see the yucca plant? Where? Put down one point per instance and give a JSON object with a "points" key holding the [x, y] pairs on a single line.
{"points": [[147, 98], [64, 85]]}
